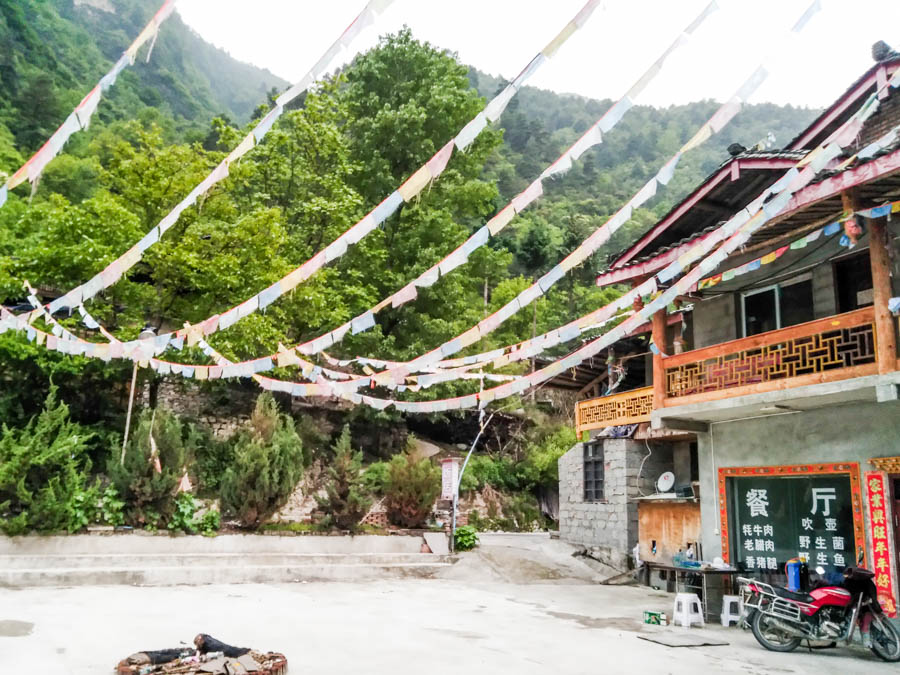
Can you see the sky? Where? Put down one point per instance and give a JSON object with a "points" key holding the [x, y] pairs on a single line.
{"points": [[622, 39]]}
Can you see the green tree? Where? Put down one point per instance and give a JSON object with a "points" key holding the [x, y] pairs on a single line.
{"points": [[412, 486], [158, 452], [268, 464], [344, 502], [43, 467]]}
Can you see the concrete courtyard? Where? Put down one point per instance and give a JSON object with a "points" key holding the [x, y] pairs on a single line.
{"points": [[398, 626]]}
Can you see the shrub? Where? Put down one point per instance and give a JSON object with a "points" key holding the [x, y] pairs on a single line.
{"points": [[43, 471], [183, 516], [375, 477], [214, 456], [345, 501], [209, 523], [155, 459], [465, 538], [411, 488], [542, 452], [268, 464], [112, 509], [485, 470], [83, 508]]}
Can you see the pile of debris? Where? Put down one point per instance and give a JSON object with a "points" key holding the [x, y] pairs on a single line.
{"points": [[210, 656]]}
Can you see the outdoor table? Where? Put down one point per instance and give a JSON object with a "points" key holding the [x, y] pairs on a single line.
{"points": [[685, 584]]}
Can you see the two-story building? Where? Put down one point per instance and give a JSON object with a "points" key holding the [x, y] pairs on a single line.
{"points": [[777, 391]]}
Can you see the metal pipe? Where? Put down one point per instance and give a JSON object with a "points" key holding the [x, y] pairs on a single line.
{"points": [[459, 482]]}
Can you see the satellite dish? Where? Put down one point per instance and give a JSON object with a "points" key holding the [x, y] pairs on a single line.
{"points": [[665, 482]]}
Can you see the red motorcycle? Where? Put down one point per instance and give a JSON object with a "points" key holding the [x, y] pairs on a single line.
{"points": [[781, 619]]}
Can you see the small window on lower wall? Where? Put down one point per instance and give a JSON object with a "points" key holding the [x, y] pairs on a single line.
{"points": [[593, 472]]}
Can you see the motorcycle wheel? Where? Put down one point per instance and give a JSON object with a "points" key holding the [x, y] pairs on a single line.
{"points": [[770, 637], [885, 639]]}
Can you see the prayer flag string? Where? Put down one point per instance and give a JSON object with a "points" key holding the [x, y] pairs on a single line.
{"points": [[80, 118]]}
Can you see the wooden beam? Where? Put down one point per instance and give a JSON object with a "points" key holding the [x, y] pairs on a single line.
{"points": [[879, 261], [885, 339], [592, 384], [659, 374]]}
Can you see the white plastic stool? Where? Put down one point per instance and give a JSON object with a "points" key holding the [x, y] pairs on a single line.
{"points": [[688, 610], [732, 609]]}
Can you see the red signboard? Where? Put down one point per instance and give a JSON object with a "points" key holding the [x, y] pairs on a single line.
{"points": [[879, 512]]}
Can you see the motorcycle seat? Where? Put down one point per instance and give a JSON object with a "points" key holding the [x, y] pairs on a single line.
{"points": [[791, 595]]}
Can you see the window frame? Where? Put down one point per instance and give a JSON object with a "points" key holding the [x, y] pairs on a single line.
{"points": [[799, 279], [593, 455]]}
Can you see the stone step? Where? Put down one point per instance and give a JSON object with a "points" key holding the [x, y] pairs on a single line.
{"points": [[139, 543], [148, 560], [170, 575]]}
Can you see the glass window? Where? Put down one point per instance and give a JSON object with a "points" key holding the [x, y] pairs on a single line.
{"points": [[778, 306], [593, 472]]}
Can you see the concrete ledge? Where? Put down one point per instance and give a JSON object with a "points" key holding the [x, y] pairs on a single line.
{"points": [[137, 544], [870, 388]]}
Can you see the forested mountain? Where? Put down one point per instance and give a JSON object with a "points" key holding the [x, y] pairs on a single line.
{"points": [[322, 167], [336, 154], [539, 124], [52, 52]]}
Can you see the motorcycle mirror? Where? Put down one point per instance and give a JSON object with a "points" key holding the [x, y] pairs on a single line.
{"points": [[820, 570]]}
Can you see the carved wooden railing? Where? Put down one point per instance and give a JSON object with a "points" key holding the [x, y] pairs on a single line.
{"points": [[834, 348], [629, 407]]}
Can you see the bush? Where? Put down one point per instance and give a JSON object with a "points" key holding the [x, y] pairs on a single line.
{"points": [[83, 508], [485, 470], [43, 472], [344, 502], [183, 516], [268, 464], [411, 488], [465, 538], [155, 459], [542, 452], [112, 509], [209, 523], [213, 458], [375, 478]]}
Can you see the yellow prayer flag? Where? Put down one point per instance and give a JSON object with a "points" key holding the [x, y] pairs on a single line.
{"points": [[471, 336], [766, 259], [501, 220], [414, 185], [558, 41], [145, 35], [699, 138], [18, 177], [242, 149], [201, 372], [286, 357]]}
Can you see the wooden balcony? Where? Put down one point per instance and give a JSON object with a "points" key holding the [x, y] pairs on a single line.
{"points": [[629, 407], [825, 350]]}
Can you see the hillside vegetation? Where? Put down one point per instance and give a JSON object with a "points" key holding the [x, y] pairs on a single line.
{"points": [[323, 166]]}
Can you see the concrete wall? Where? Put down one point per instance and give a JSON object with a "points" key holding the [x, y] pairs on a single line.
{"points": [[850, 432], [824, 296], [714, 321], [609, 528]]}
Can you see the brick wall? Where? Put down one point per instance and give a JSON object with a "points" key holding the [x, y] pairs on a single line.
{"points": [[609, 528], [714, 321]]}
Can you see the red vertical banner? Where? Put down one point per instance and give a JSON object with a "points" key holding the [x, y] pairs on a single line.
{"points": [[879, 512]]}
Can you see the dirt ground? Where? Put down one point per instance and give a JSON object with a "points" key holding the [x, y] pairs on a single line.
{"points": [[514, 606]]}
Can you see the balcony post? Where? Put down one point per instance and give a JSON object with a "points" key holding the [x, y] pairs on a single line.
{"points": [[658, 326], [885, 342], [886, 348]]}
